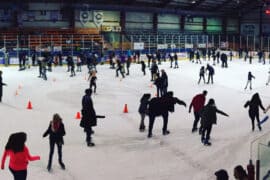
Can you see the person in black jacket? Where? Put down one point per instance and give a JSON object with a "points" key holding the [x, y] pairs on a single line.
{"points": [[158, 82], [253, 111], [211, 73], [209, 117], [56, 130], [89, 117], [249, 81], [154, 70], [164, 86], [93, 78], [143, 110], [1, 86], [143, 67]]}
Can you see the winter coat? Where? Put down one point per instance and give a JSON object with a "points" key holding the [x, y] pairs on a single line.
{"points": [[209, 115], [88, 113], [159, 82], [143, 106], [164, 78], [56, 135], [254, 106], [18, 161], [197, 102]]}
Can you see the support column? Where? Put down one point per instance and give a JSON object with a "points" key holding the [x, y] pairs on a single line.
{"points": [[123, 27], [204, 25], [155, 22], [260, 27], [182, 23], [224, 26]]}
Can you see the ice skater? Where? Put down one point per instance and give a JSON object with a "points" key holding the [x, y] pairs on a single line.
{"points": [[89, 117], [211, 73], [19, 156], [253, 111], [143, 110], [197, 103], [249, 81], [198, 59], [268, 80], [79, 64], [158, 82], [201, 74], [1, 86], [56, 131], [143, 67], [93, 78], [120, 68], [209, 118], [175, 61], [165, 83], [154, 70], [161, 107]]}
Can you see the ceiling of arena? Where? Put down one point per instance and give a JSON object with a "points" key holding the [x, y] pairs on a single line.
{"points": [[221, 7]]}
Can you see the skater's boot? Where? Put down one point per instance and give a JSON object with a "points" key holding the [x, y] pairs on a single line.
{"points": [[62, 165], [149, 135], [165, 132], [90, 144], [253, 128], [142, 128], [49, 167], [207, 143], [194, 130], [260, 128], [202, 140]]}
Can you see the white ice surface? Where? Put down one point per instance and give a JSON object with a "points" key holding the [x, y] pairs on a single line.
{"points": [[122, 152]]}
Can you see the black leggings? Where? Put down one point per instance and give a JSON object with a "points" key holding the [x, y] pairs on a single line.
{"points": [[19, 175], [254, 116]]}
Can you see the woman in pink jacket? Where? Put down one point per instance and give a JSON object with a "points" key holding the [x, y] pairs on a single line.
{"points": [[19, 155]]}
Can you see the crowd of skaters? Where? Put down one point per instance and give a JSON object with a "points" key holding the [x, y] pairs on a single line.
{"points": [[205, 114]]}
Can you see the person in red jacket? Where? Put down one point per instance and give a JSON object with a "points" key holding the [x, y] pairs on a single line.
{"points": [[197, 103], [19, 155]]}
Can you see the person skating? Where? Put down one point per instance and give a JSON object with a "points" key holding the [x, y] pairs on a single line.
{"points": [[72, 67], [211, 73], [93, 78], [79, 64], [149, 57], [201, 74], [161, 107], [158, 82], [56, 131], [164, 86], [19, 156], [89, 117], [197, 103], [224, 60], [198, 59], [175, 61], [143, 110], [221, 175], [171, 60], [44, 69], [128, 64], [268, 80], [249, 81], [253, 111], [208, 118], [119, 68], [154, 71], [143, 67], [1, 86], [240, 173]]}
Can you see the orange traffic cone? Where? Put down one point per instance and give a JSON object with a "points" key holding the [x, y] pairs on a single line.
{"points": [[78, 115], [19, 87], [125, 109], [16, 93], [29, 106]]}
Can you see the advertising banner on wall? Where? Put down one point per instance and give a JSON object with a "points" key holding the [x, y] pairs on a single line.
{"points": [[98, 18], [173, 46], [250, 29], [210, 45], [84, 17], [188, 45], [224, 44], [138, 46], [202, 45], [162, 46]]}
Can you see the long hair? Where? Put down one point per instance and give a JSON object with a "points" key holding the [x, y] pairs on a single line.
{"points": [[255, 99], [16, 142]]}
